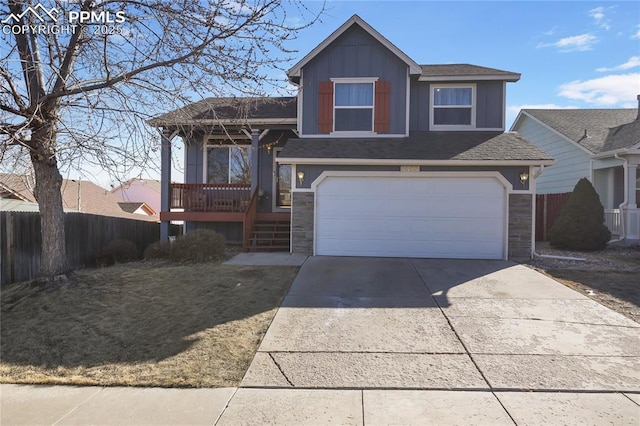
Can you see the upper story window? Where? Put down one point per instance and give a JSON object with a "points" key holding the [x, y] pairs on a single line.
{"points": [[452, 107], [228, 164], [353, 108]]}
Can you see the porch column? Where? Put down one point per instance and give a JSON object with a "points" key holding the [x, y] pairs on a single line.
{"points": [[165, 182], [255, 155], [631, 213], [632, 175]]}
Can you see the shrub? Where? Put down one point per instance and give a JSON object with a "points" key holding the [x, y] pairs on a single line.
{"points": [[201, 245], [117, 251], [157, 250], [580, 225]]}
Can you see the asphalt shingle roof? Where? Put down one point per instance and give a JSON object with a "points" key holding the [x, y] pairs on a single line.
{"points": [[230, 109], [595, 123], [470, 146], [461, 70]]}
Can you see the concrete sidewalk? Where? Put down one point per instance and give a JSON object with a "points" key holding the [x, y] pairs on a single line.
{"points": [[397, 341], [64, 405]]}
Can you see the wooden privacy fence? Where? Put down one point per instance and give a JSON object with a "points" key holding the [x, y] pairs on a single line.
{"points": [[548, 208], [85, 236]]}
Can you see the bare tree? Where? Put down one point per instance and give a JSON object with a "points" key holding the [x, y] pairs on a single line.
{"points": [[78, 79]]}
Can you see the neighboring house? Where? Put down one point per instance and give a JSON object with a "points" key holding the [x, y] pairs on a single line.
{"points": [[602, 145], [137, 208], [376, 156], [77, 195], [140, 190]]}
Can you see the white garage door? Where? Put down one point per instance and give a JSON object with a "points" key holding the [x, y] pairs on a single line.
{"points": [[442, 217]]}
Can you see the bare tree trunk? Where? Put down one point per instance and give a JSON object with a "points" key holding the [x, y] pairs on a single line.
{"points": [[53, 260]]}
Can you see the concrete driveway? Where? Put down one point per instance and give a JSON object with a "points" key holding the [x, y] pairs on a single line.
{"points": [[446, 341], [443, 324]]}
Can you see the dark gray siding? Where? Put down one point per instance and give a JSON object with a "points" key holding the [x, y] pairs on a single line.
{"points": [[312, 171], [355, 54], [489, 112], [419, 106], [489, 105], [512, 174], [194, 161]]}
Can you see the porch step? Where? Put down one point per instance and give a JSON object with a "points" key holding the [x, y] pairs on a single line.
{"points": [[270, 235]]}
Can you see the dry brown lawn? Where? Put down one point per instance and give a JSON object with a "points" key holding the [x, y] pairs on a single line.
{"points": [[610, 276], [140, 324]]}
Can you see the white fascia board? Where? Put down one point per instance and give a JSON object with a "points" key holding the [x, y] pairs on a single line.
{"points": [[508, 77], [609, 153], [414, 68], [516, 122], [542, 123], [620, 151], [392, 162]]}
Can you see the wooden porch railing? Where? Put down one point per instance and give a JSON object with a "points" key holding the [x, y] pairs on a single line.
{"points": [[210, 197], [249, 220]]}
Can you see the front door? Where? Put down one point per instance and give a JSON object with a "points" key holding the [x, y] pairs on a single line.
{"points": [[281, 184]]}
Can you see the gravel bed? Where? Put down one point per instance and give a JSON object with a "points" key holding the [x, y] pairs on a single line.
{"points": [[615, 257]]}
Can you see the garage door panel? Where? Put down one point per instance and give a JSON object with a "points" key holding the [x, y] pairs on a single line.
{"points": [[399, 248], [366, 227], [414, 217]]}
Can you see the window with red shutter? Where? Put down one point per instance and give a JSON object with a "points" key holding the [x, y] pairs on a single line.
{"points": [[354, 105]]}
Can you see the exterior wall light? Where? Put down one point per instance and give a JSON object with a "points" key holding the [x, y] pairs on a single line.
{"points": [[524, 177], [300, 178]]}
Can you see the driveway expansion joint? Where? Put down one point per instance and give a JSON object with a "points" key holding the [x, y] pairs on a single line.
{"points": [[280, 369]]}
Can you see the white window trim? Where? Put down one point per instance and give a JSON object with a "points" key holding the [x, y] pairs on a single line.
{"points": [[471, 126], [205, 162], [352, 133]]}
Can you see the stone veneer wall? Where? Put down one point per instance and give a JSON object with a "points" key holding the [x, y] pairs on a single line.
{"points": [[520, 226], [302, 207]]}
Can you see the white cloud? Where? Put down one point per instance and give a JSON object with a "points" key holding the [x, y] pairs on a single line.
{"points": [[611, 90], [633, 62], [579, 43], [637, 34], [601, 20]]}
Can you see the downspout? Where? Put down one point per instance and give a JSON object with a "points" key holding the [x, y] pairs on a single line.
{"points": [[549, 256], [625, 201]]}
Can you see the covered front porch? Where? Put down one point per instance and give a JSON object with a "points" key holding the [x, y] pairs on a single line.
{"points": [[615, 178]]}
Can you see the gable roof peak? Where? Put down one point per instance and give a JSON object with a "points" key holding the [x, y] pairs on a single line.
{"points": [[294, 72]]}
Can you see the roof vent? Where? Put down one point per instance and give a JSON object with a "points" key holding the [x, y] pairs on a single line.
{"points": [[585, 134]]}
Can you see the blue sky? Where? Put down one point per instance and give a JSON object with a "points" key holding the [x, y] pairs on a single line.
{"points": [[571, 54]]}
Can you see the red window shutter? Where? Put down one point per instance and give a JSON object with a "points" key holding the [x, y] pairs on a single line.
{"points": [[325, 107], [382, 104]]}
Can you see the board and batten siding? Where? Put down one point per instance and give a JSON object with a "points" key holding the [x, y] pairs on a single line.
{"points": [[489, 105], [572, 163], [194, 161], [355, 54]]}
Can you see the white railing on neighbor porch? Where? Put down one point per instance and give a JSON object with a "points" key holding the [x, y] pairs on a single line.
{"points": [[613, 220]]}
